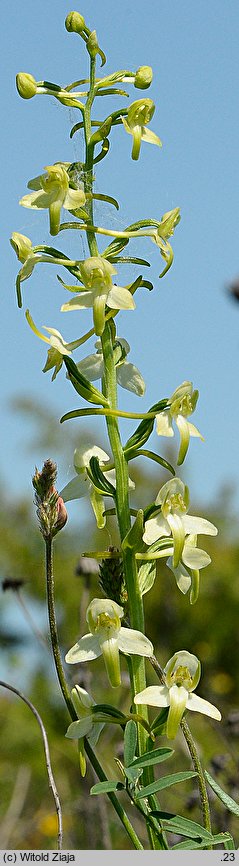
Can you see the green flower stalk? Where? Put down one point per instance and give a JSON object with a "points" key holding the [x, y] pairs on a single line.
{"points": [[107, 637]]}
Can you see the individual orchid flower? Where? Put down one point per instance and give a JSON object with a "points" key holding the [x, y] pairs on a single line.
{"points": [[182, 404], [26, 254], [186, 572], [127, 375], [85, 725], [52, 191], [96, 275], [81, 485], [58, 346], [164, 231], [107, 637], [182, 675], [173, 498], [138, 116]]}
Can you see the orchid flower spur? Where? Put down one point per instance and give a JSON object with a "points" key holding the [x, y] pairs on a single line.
{"points": [[182, 675], [107, 637], [81, 485], [186, 572], [127, 375], [52, 191], [58, 346], [139, 114], [96, 274], [85, 725], [182, 403], [173, 519]]}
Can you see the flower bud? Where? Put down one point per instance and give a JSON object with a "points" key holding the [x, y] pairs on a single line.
{"points": [[92, 44], [75, 23], [143, 77], [61, 514], [26, 85]]}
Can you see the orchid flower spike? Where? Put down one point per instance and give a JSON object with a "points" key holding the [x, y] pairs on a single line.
{"points": [[52, 191], [182, 675], [138, 116], [107, 637], [182, 404], [96, 275], [174, 520]]}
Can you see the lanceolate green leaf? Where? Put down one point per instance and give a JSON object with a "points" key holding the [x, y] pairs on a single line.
{"points": [[164, 782], [228, 802], [155, 756], [220, 839], [130, 743], [183, 826], [105, 787]]}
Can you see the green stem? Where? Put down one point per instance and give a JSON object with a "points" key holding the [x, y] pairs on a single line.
{"points": [[67, 697], [201, 779]]}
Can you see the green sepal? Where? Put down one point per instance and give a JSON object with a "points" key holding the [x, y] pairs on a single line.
{"points": [[98, 478], [146, 284], [51, 86], [82, 385], [103, 152], [133, 537], [108, 198], [164, 782], [130, 742], [107, 787]]}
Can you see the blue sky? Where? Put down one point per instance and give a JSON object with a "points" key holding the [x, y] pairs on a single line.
{"points": [[188, 328]]}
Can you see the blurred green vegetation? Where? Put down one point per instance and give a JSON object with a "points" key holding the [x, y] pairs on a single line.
{"points": [[209, 629]]}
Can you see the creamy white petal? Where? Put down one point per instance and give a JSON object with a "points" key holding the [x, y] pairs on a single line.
{"points": [[79, 729], [195, 558], [199, 705], [129, 377], [86, 649], [79, 302], [183, 579], [198, 525], [194, 431], [153, 696], [120, 299], [92, 367], [164, 424], [155, 528], [77, 487], [132, 641]]}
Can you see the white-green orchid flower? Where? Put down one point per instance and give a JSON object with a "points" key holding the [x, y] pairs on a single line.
{"points": [[81, 485], [58, 346], [182, 674], [85, 726], [138, 116], [182, 404], [186, 572], [174, 520], [127, 375], [96, 275], [52, 191], [107, 637]]}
